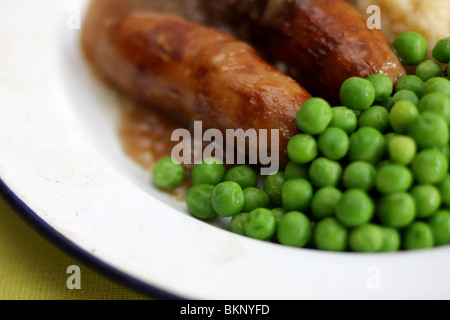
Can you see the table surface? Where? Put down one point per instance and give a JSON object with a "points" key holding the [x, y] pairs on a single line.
{"points": [[31, 268]]}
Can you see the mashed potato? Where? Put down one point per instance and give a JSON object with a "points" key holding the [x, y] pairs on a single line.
{"points": [[430, 18]]}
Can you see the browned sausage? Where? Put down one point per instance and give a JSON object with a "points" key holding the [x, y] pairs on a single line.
{"points": [[322, 42], [199, 74]]}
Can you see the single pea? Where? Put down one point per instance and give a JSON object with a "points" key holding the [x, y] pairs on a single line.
{"points": [[325, 173], [255, 198], [357, 93], [383, 86], [388, 103], [334, 143], [243, 175], [168, 174], [396, 210], [437, 84], [354, 208], [427, 199], [444, 190], [440, 226], [210, 171], [428, 69], [366, 238], [228, 198], [295, 171], [410, 82], [391, 240], [441, 51], [430, 166], [324, 202], [260, 224], [198, 201], [330, 235], [273, 186], [359, 175], [278, 213], [436, 102], [345, 119], [366, 144], [302, 148], [402, 114], [294, 229], [376, 117], [402, 149], [237, 223], [418, 235], [314, 116], [407, 95], [429, 130], [393, 178], [410, 47], [297, 195]]}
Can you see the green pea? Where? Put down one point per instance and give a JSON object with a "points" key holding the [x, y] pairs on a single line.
{"points": [[228, 198], [325, 173], [410, 82], [324, 202], [210, 171], [437, 84], [436, 102], [330, 235], [273, 186], [396, 210], [302, 148], [429, 130], [198, 201], [255, 198], [357, 93], [407, 95], [391, 240], [376, 117], [260, 224], [427, 199], [366, 238], [428, 69], [366, 144], [297, 195], [418, 235], [294, 229], [440, 226], [314, 116], [243, 175], [383, 86], [444, 190], [295, 171], [237, 223], [402, 149], [354, 208], [278, 213], [402, 114], [410, 47], [345, 119], [359, 175], [430, 166], [441, 51], [388, 103], [393, 178], [334, 143], [168, 174]]}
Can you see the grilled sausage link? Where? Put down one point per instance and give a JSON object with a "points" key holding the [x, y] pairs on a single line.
{"points": [[199, 74], [322, 42]]}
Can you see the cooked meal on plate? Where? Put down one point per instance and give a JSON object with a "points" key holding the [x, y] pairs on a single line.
{"points": [[313, 126]]}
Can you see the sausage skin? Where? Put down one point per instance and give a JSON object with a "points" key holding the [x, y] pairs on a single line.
{"points": [[198, 73], [321, 42]]}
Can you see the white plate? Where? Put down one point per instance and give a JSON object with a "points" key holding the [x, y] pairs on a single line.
{"points": [[61, 164]]}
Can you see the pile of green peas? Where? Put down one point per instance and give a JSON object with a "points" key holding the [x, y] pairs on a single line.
{"points": [[371, 175]]}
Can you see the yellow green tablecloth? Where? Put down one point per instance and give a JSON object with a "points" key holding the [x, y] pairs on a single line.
{"points": [[33, 269]]}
